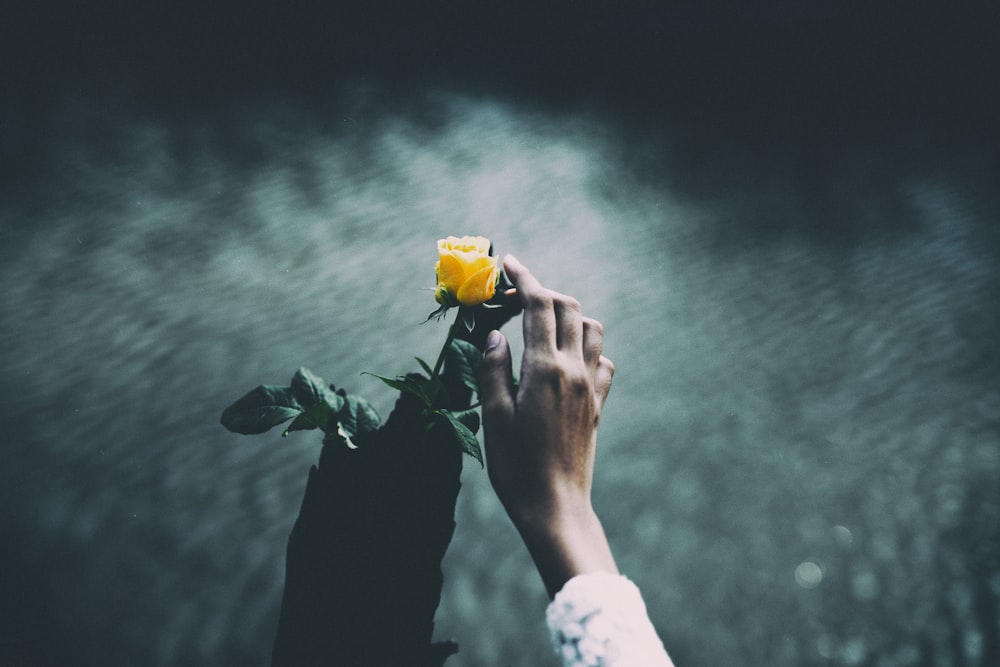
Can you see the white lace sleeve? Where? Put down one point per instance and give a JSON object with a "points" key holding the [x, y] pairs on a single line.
{"points": [[600, 620]]}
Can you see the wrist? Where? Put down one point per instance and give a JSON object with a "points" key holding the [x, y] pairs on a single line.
{"points": [[565, 544]]}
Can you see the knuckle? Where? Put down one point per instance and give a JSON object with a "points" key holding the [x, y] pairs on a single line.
{"points": [[607, 364], [494, 414], [547, 366], [593, 326], [539, 300], [568, 302], [577, 382]]}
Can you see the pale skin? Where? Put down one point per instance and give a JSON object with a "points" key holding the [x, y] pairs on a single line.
{"points": [[541, 436]]}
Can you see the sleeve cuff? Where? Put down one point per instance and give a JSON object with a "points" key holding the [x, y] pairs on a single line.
{"points": [[599, 620]]}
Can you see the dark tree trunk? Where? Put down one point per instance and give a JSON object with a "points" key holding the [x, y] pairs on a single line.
{"points": [[363, 574], [363, 571]]}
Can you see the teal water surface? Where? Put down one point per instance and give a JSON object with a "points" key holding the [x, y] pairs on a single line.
{"points": [[798, 462]]}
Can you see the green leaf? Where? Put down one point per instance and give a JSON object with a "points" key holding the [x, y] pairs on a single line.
{"points": [[417, 385], [357, 417], [310, 389], [425, 366], [464, 359], [401, 382], [307, 387], [260, 409], [317, 416], [469, 417], [462, 435]]}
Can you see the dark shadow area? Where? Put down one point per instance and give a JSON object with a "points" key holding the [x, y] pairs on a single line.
{"points": [[34, 633], [730, 99]]}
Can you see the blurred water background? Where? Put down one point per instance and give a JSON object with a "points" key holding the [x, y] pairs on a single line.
{"points": [[785, 218]]}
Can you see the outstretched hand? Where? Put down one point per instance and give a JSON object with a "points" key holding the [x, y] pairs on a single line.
{"points": [[541, 434]]}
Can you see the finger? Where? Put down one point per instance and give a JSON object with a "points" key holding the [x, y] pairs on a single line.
{"points": [[602, 380], [496, 381], [539, 314], [593, 342], [569, 323], [525, 283]]}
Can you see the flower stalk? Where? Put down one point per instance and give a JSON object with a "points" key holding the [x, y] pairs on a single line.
{"points": [[444, 350]]}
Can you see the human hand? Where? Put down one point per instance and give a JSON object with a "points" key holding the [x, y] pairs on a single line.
{"points": [[541, 435]]}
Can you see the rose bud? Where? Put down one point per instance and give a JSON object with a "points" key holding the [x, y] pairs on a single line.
{"points": [[466, 274]]}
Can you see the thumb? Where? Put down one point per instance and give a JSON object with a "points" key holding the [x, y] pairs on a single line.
{"points": [[496, 380]]}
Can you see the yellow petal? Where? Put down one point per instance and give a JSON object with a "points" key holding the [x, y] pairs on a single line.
{"points": [[480, 286], [473, 244], [474, 263], [450, 272]]}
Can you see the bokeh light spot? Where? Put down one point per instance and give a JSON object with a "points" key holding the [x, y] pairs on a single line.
{"points": [[808, 574]]}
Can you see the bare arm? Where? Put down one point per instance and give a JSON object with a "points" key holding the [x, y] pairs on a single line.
{"points": [[541, 436]]}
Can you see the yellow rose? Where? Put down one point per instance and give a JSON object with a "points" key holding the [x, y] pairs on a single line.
{"points": [[466, 274]]}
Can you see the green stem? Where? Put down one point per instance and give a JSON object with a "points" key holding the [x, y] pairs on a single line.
{"points": [[444, 350]]}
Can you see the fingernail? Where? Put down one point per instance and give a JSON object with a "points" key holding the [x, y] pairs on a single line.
{"points": [[511, 258], [492, 340]]}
